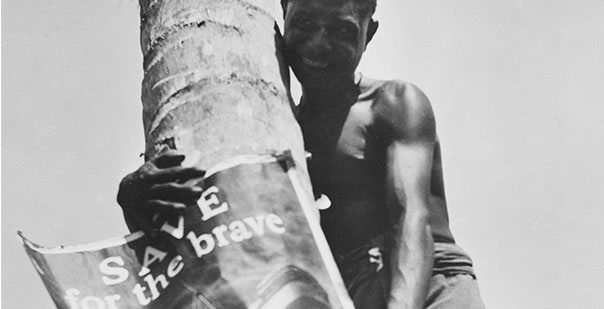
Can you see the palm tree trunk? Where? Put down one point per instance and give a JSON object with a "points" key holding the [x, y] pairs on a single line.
{"points": [[212, 80], [214, 88]]}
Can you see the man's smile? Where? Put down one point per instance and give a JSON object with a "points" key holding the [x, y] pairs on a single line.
{"points": [[314, 63]]}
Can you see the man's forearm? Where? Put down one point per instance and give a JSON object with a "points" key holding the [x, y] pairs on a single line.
{"points": [[411, 263]]}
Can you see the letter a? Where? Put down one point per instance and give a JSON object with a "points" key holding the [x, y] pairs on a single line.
{"points": [[151, 255]]}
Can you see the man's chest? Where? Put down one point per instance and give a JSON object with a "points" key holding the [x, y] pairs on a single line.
{"points": [[338, 133], [345, 147]]}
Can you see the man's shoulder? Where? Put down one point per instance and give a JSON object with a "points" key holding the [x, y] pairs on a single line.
{"points": [[401, 106], [394, 94]]}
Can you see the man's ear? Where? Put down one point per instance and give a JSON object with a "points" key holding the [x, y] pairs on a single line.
{"points": [[371, 29], [284, 7]]}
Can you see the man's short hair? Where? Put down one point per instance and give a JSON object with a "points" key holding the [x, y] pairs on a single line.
{"points": [[365, 8]]}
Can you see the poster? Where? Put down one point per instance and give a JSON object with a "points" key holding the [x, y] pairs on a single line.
{"points": [[252, 241]]}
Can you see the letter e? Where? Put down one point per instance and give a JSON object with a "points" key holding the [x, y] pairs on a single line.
{"points": [[275, 223], [208, 202], [175, 266]]}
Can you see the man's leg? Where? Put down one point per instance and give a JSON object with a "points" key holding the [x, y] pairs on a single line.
{"points": [[453, 292], [366, 274]]}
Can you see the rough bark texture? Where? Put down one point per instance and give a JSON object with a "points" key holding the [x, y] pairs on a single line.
{"points": [[213, 80]]}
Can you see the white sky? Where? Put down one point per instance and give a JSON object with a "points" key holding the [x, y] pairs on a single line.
{"points": [[516, 87]]}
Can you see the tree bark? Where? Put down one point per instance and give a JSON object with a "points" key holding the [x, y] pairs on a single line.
{"points": [[214, 81]]}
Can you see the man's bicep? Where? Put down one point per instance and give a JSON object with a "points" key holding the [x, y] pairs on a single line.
{"points": [[409, 167], [406, 115]]}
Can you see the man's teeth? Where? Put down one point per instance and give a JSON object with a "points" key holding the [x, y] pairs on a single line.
{"points": [[314, 63]]}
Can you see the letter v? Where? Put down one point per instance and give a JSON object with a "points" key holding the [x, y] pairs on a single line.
{"points": [[257, 224], [176, 232]]}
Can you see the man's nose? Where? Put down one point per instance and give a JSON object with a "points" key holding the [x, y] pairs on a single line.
{"points": [[319, 42]]}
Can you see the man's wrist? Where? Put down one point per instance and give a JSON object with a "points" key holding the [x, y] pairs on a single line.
{"points": [[397, 304], [401, 302]]}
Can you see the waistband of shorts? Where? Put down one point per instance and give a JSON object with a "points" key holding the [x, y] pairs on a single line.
{"points": [[451, 260]]}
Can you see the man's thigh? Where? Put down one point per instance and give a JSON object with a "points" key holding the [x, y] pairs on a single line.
{"points": [[371, 293], [453, 292]]}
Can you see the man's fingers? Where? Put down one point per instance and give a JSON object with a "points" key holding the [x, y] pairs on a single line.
{"points": [[168, 158], [159, 206], [144, 222], [162, 218], [177, 173], [175, 192]]}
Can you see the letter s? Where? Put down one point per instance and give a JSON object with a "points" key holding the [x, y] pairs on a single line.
{"points": [[117, 274]]}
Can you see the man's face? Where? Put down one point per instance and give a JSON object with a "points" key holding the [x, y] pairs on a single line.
{"points": [[324, 39]]}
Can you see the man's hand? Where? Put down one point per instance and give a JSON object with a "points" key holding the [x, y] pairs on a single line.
{"points": [[159, 189]]}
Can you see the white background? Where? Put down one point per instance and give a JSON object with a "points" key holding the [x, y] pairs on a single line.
{"points": [[516, 87]]}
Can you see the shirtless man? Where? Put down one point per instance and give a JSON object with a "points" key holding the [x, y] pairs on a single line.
{"points": [[375, 155]]}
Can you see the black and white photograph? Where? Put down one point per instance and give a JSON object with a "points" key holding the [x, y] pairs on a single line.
{"points": [[300, 154]]}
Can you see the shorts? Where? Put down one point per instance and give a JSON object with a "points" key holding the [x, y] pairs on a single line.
{"points": [[366, 274], [453, 283]]}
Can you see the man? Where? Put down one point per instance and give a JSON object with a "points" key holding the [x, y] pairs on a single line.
{"points": [[375, 155]]}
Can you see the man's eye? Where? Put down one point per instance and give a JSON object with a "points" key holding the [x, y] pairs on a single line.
{"points": [[304, 23], [345, 32]]}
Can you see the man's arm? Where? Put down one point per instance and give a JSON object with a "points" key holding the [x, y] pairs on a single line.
{"points": [[409, 120]]}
